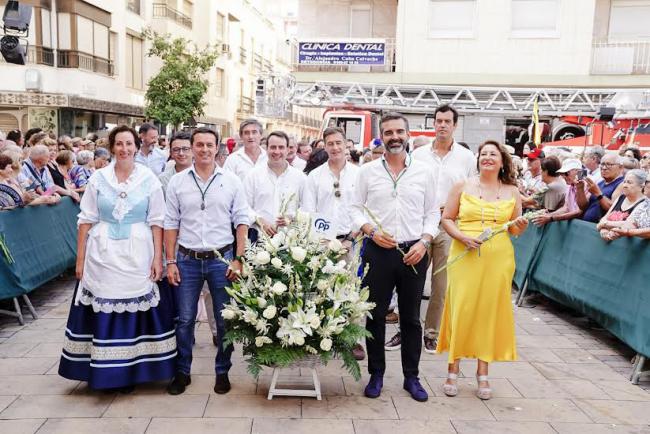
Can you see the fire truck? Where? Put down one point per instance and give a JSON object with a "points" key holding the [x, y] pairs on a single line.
{"points": [[570, 118]]}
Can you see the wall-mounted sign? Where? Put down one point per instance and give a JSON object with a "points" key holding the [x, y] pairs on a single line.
{"points": [[342, 52]]}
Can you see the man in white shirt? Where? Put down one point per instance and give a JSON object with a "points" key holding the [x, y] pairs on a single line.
{"points": [[251, 155], [180, 150], [450, 163], [150, 154], [329, 191], [292, 155], [274, 186], [203, 201], [395, 206], [330, 187]]}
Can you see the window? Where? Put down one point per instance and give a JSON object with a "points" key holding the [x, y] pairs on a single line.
{"points": [[46, 31], [188, 6], [452, 18], [219, 83], [133, 55], [534, 19], [112, 51], [65, 38], [360, 21], [221, 28], [133, 6], [628, 20]]}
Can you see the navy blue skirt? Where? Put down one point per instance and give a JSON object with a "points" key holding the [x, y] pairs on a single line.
{"points": [[110, 350]]}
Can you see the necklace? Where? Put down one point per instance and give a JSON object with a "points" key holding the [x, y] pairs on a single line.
{"points": [[392, 177], [480, 195], [203, 192]]}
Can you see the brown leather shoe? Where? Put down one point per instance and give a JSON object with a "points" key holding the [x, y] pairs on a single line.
{"points": [[358, 352], [392, 318]]}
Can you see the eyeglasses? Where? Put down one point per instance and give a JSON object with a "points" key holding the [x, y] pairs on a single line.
{"points": [[608, 165], [337, 192], [179, 150], [645, 157]]}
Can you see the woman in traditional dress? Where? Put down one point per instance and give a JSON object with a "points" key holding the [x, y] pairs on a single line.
{"points": [[120, 330], [478, 321]]}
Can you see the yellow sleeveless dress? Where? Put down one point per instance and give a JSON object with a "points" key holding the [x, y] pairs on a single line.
{"points": [[478, 319]]}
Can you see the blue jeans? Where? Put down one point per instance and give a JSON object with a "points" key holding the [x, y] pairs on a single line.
{"points": [[194, 273]]}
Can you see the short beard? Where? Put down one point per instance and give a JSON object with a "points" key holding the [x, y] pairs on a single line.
{"points": [[395, 151]]}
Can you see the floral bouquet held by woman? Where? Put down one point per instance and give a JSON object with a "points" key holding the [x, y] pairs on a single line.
{"points": [[297, 298]]}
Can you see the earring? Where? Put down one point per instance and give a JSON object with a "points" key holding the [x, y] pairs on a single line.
{"points": [[501, 172]]}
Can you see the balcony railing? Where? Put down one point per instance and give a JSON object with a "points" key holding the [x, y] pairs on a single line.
{"points": [[246, 105], [243, 55], [257, 62], [268, 66], [88, 62], [38, 56], [387, 66], [621, 58], [161, 10]]}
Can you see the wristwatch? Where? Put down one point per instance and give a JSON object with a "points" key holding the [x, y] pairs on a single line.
{"points": [[600, 196], [426, 243]]}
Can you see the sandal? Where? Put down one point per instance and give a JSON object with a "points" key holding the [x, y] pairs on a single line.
{"points": [[451, 389], [483, 393]]}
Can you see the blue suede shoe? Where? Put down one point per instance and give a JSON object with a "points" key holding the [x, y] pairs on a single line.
{"points": [[373, 389], [412, 385]]}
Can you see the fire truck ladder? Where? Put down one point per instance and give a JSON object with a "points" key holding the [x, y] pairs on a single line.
{"points": [[466, 99]]}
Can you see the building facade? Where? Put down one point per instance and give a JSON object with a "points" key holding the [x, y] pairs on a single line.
{"points": [[87, 66], [573, 43]]}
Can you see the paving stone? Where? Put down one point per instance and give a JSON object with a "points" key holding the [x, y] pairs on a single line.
{"points": [[252, 405], [498, 427], [443, 408], [20, 426], [349, 407], [402, 426], [199, 425], [585, 371], [161, 405], [95, 426], [594, 428], [25, 366], [542, 410], [36, 385], [616, 412], [56, 406], [300, 426]]}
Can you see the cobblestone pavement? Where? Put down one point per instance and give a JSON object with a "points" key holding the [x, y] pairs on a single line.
{"points": [[570, 379]]}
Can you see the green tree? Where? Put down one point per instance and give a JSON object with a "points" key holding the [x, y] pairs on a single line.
{"points": [[176, 94]]}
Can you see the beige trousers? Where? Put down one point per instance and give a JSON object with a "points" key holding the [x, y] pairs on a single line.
{"points": [[439, 254]]}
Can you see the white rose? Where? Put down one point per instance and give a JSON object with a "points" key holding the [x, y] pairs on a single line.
{"points": [[335, 245], [269, 312], [322, 285], [261, 340], [263, 257], [228, 313], [278, 240], [276, 262], [261, 302], [278, 288], [300, 340], [326, 344], [298, 254]]}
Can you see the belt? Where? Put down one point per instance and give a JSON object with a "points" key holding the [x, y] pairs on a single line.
{"points": [[407, 244], [344, 236], [210, 254], [404, 246]]}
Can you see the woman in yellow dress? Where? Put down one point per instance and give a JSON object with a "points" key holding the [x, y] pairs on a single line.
{"points": [[478, 320]]}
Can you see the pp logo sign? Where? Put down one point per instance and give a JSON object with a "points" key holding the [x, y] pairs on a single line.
{"points": [[324, 227]]}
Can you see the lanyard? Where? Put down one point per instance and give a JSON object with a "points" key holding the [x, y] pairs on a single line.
{"points": [[395, 180], [203, 192]]}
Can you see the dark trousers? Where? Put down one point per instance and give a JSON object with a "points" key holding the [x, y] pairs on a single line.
{"points": [[387, 271]]}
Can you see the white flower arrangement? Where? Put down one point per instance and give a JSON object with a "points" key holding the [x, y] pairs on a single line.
{"points": [[297, 298]]}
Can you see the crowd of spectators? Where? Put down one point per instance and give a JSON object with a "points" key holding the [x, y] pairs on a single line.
{"points": [[609, 188]]}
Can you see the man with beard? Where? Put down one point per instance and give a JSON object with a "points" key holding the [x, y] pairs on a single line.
{"points": [[150, 154], [395, 206]]}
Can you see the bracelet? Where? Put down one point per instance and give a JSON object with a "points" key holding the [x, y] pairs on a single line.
{"points": [[372, 233], [600, 196], [171, 261], [552, 219], [238, 258]]}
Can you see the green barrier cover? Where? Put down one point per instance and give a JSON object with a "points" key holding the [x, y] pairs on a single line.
{"points": [[43, 243], [609, 282], [527, 247]]}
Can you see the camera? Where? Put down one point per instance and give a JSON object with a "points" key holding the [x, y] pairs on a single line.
{"points": [[582, 174]]}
